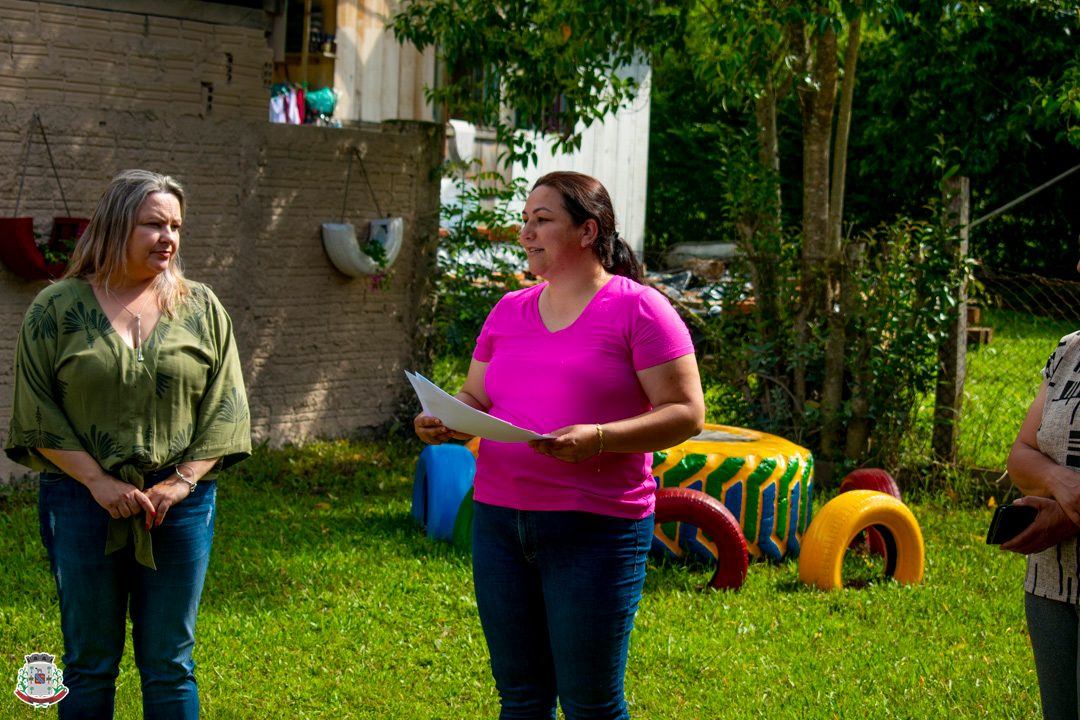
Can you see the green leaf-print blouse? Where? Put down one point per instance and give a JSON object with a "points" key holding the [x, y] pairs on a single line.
{"points": [[78, 386]]}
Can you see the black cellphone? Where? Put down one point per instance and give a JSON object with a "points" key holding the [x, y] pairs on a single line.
{"points": [[1008, 522]]}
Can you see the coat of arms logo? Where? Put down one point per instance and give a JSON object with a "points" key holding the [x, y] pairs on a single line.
{"points": [[40, 682]]}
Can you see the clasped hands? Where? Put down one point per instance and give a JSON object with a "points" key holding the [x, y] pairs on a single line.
{"points": [[124, 500]]}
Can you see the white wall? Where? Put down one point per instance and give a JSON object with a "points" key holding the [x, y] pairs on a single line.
{"points": [[378, 78], [615, 152]]}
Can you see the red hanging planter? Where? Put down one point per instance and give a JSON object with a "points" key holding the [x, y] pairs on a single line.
{"points": [[22, 255], [19, 250]]}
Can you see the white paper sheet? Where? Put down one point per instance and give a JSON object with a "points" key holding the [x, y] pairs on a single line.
{"points": [[459, 416]]}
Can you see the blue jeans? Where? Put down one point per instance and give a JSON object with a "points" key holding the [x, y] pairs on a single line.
{"points": [[96, 591], [557, 593], [1053, 626]]}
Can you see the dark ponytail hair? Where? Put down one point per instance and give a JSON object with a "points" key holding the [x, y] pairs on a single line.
{"points": [[585, 198]]}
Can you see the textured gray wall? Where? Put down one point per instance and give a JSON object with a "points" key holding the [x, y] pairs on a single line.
{"points": [[323, 353]]}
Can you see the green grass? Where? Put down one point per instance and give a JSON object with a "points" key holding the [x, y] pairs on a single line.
{"points": [[1002, 379], [1000, 383], [325, 600]]}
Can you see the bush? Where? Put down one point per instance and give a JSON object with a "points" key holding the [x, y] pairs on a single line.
{"points": [[897, 302], [478, 262]]}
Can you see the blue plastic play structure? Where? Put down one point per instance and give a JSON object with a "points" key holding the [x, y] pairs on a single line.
{"points": [[444, 476]]}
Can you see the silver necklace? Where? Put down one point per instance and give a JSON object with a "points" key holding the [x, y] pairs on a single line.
{"points": [[137, 337]]}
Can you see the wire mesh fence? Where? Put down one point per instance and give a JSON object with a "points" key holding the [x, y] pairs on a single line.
{"points": [[1014, 322]]}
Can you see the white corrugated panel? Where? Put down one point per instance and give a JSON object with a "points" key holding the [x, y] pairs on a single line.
{"points": [[615, 152]]}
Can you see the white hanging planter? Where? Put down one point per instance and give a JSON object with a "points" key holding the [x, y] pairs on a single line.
{"points": [[385, 235], [343, 248]]}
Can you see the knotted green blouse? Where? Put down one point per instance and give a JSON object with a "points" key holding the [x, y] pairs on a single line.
{"points": [[78, 386]]}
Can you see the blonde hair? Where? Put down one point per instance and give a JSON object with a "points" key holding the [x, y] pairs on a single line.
{"points": [[101, 252]]}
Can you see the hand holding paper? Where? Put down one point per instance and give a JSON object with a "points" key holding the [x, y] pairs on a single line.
{"points": [[459, 416]]}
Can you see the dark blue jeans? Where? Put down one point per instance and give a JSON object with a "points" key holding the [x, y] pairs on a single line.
{"points": [[557, 593], [97, 590]]}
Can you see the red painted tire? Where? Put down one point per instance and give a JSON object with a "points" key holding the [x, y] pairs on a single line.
{"points": [[709, 514], [871, 479]]}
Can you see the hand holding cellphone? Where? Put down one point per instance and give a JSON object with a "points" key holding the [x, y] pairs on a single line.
{"points": [[1008, 522]]}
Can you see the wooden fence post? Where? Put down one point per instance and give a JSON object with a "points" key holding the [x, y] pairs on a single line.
{"points": [[952, 354]]}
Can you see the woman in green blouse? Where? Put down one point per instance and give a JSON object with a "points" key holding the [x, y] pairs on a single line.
{"points": [[128, 397]]}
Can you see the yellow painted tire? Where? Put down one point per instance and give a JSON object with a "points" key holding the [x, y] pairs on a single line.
{"points": [[835, 525]]}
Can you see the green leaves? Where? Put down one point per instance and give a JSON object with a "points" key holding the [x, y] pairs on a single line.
{"points": [[545, 65], [478, 260], [1060, 102]]}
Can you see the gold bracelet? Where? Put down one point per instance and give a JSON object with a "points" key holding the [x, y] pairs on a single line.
{"points": [[600, 432], [190, 483]]}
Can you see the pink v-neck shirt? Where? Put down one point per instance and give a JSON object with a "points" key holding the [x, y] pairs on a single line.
{"points": [[584, 373]]}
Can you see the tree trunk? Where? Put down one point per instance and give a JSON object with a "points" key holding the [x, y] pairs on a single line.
{"points": [[769, 145], [843, 130], [817, 100], [838, 288], [859, 425], [765, 242], [952, 353]]}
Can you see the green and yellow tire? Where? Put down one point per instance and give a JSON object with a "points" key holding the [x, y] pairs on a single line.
{"points": [[462, 536], [845, 516], [765, 481]]}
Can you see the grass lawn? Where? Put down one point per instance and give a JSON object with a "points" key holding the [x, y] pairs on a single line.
{"points": [[325, 600], [1002, 379]]}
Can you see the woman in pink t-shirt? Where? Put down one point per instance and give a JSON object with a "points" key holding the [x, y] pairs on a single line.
{"points": [[562, 526]]}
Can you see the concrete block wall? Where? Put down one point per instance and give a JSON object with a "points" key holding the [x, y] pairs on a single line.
{"points": [[323, 353]]}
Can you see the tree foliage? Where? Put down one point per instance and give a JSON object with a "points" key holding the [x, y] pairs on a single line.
{"points": [[759, 103], [994, 81], [544, 64], [475, 268]]}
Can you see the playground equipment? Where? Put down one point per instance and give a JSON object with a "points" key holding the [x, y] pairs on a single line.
{"points": [[725, 494], [870, 479], [830, 534], [442, 485], [716, 521], [764, 480]]}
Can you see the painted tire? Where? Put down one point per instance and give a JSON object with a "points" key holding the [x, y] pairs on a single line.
{"points": [[765, 481], [871, 479], [716, 521], [443, 478], [826, 541]]}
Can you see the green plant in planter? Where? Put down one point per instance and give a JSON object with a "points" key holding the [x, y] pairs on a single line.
{"points": [[58, 252], [377, 252]]}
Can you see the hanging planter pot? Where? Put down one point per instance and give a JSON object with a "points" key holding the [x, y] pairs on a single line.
{"points": [[19, 250], [378, 253], [21, 254], [383, 242]]}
